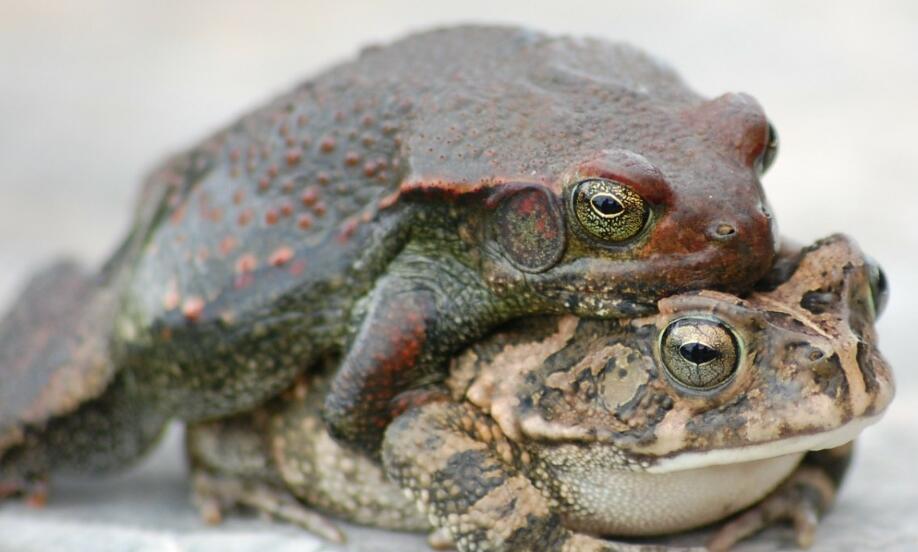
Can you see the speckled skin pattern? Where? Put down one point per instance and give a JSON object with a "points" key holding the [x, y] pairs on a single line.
{"points": [[397, 207], [556, 429], [286, 444]]}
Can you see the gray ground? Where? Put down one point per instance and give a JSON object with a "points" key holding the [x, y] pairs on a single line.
{"points": [[93, 94]]}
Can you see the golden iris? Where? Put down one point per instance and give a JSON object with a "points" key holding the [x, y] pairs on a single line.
{"points": [[609, 210], [699, 353]]}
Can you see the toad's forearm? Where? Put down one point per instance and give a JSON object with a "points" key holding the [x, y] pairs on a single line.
{"points": [[467, 476]]}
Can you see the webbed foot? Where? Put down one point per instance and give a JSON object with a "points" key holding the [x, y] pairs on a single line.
{"points": [[215, 495]]}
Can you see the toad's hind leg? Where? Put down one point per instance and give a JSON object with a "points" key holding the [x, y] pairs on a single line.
{"points": [[106, 434], [103, 435], [470, 479], [64, 405], [266, 458], [232, 467], [805, 497]]}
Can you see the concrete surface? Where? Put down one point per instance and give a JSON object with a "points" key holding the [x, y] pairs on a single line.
{"points": [[93, 94]]}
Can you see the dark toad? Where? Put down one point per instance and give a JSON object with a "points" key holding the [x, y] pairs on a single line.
{"points": [[390, 211]]}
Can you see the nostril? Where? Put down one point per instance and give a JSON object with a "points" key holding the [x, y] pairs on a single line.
{"points": [[723, 231], [766, 212]]}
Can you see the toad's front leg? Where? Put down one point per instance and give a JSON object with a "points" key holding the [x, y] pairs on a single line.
{"points": [[427, 305], [805, 497], [468, 477]]}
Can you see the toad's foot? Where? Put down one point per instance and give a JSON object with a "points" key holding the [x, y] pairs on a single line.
{"points": [[439, 539], [214, 495], [800, 500], [35, 491]]}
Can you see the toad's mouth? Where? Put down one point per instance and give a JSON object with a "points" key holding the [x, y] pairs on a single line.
{"points": [[801, 443]]}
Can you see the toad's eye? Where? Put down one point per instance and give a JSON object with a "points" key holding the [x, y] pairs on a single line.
{"points": [[770, 152], [699, 353], [879, 287], [608, 210]]}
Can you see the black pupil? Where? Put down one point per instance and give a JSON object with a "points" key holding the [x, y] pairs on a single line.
{"points": [[607, 204], [698, 353]]}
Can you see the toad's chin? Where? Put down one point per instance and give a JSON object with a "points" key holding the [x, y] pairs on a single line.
{"points": [[613, 501], [599, 495]]}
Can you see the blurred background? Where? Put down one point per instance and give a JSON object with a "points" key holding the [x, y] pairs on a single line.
{"points": [[93, 94]]}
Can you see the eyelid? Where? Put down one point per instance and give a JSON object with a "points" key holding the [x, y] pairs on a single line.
{"points": [[631, 170]]}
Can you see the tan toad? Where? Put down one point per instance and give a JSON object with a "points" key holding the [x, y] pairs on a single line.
{"points": [[558, 430]]}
